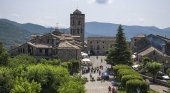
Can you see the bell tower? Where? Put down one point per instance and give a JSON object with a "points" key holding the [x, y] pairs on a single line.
{"points": [[77, 25]]}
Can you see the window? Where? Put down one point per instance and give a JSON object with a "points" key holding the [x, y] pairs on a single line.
{"points": [[40, 50], [78, 31], [79, 22], [90, 42], [98, 47]]}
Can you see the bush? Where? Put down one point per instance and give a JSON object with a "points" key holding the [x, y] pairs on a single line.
{"points": [[135, 85], [117, 67], [125, 78], [122, 72], [22, 85]]}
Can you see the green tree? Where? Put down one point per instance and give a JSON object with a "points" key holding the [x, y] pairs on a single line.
{"points": [[120, 54], [72, 87], [6, 80], [3, 55], [153, 68], [22, 85]]}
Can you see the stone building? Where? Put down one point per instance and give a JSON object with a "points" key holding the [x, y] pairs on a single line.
{"points": [[57, 44], [51, 45], [100, 45], [77, 25], [139, 42], [155, 47]]}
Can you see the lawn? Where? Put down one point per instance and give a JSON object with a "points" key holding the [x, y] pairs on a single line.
{"points": [[122, 91]]}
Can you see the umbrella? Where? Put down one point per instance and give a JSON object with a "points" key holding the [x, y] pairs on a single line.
{"points": [[86, 60]]}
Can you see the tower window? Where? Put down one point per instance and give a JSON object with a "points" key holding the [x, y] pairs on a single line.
{"points": [[79, 22], [78, 31]]}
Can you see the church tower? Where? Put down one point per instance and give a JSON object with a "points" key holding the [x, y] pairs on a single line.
{"points": [[77, 25]]}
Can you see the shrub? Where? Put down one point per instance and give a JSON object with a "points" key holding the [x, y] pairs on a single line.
{"points": [[125, 78], [135, 85], [22, 85], [122, 72]]}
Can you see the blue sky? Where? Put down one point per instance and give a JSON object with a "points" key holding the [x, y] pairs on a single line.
{"points": [[50, 12]]}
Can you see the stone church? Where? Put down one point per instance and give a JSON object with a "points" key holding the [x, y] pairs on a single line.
{"points": [[57, 44]]}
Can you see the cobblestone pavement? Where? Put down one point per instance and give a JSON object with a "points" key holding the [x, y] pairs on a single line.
{"points": [[97, 86], [159, 88]]}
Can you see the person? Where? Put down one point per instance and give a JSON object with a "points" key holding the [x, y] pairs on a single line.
{"points": [[109, 89], [113, 89], [101, 60], [90, 76], [99, 72]]}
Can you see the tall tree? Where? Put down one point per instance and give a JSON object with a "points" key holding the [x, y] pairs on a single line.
{"points": [[3, 55], [120, 54]]}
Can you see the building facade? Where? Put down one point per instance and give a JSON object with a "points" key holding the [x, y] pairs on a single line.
{"points": [[99, 45], [51, 45], [77, 25]]}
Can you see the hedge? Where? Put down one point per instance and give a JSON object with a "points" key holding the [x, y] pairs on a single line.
{"points": [[125, 78], [136, 86]]}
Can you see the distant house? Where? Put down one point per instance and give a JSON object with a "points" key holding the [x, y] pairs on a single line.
{"points": [[100, 45]]}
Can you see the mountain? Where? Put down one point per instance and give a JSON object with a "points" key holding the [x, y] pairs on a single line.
{"points": [[110, 29], [16, 33], [11, 34]]}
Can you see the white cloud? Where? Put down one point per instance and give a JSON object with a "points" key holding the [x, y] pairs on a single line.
{"points": [[104, 1], [91, 1], [100, 1], [141, 19], [15, 15]]}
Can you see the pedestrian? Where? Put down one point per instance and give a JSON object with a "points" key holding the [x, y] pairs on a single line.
{"points": [[101, 60], [109, 89], [99, 72], [113, 90], [90, 76]]}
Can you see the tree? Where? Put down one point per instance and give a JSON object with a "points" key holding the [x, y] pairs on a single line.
{"points": [[72, 87], [3, 55], [153, 68], [22, 85], [120, 54]]}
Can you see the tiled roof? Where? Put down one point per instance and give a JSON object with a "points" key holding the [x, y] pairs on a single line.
{"points": [[140, 35], [40, 45], [66, 45], [101, 38], [149, 50]]}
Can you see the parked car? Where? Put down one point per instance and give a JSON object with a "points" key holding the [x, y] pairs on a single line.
{"points": [[105, 76]]}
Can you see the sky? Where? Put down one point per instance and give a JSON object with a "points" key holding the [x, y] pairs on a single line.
{"points": [[57, 12]]}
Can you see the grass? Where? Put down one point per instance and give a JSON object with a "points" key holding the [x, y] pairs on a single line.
{"points": [[123, 91]]}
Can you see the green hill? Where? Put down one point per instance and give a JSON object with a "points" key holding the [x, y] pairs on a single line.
{"points": [[11, 34]]}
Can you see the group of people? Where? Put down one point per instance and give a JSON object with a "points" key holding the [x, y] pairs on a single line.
{"points": [[112, 89]]}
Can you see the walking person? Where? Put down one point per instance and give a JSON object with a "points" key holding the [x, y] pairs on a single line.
{"points": [[113, 90], [109, 89]]}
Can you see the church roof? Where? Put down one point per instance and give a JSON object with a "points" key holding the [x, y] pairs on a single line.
{"points": [[77, 11], [39, 45], [66, 45], [140, 35], [149, 50]]}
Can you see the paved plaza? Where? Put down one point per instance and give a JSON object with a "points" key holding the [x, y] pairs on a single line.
{"points": [[102, 87], [97, 86]]}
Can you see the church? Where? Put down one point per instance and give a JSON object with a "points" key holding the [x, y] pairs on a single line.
{"points": [[57, 44]]}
